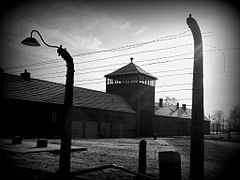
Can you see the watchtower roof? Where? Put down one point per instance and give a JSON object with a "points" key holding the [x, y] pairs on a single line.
{"points": [[130, 69]]}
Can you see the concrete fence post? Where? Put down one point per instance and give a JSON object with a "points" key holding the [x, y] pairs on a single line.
{"points": [[142, 157], [169, 165]]}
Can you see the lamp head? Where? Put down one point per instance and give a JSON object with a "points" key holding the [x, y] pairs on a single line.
{"points": [[30, 41]]}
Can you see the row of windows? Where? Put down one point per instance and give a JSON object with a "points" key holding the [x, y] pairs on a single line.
{"points": [[93, 117], [90, 117], [131, 79], [171, 124]]}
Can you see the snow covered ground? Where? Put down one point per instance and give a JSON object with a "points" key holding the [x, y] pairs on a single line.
{"points": [[220, 156]]}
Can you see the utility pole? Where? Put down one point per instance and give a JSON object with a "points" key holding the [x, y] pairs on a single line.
{"points": [[65, 150], [197, 122]]}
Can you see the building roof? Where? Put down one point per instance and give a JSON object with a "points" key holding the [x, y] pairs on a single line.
{"points": [[16, 87], [130, 69], [172, 111]]}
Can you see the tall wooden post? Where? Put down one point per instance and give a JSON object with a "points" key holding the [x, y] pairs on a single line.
{"points": [[65, 150], [197, 123]]}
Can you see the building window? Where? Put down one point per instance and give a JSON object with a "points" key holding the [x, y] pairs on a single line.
{"points": [[91, 117], [107, 118], [54, 117], [119, 117]]}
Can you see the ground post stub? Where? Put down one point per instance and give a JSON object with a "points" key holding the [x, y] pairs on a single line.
{"points": [[42, 143], [142, 157], [169, 165], [155, 136], [17, 140]]}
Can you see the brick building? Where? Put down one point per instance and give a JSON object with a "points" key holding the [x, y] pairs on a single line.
{"points": [[33, 108]]}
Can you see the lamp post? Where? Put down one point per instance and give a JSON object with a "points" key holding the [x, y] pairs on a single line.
{"points": [[65, 150]]}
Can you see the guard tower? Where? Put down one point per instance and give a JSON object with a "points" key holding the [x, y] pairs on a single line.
{"points": [[138, 88]]}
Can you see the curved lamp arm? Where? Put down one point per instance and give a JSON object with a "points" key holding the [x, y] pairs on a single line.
{"points": [[42, 39], [30, 41], [61, 52]]}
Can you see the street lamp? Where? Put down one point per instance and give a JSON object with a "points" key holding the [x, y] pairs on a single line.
{"points": [[65, 150]]}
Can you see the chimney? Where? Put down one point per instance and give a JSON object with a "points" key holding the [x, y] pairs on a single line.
{"points": [[160, 102], [184, 107], [177, 105], [26, 75]]}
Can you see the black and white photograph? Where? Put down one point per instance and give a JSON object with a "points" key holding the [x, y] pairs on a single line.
{"points": [[120, 89]]}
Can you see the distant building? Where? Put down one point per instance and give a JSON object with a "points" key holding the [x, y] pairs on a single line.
{"points": [[174, 120], [34, 108]]}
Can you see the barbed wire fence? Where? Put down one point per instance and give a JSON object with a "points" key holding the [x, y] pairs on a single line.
{"points": [[57, 70]]}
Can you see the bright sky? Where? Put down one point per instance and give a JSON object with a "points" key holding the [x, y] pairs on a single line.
{"points": [[90, 26]]}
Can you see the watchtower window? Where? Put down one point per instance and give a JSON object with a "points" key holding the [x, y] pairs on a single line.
{"points": [[131, 79], [110, 81], [146, 80], [141, 79], [125, 80], [152, 83], [117, 80]]}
